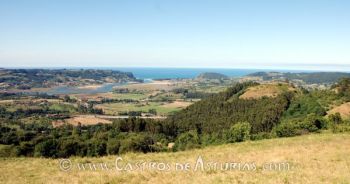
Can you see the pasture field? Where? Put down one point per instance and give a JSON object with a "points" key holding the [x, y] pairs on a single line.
{"points": [[153, 86], [83, 120], [134, 96]]}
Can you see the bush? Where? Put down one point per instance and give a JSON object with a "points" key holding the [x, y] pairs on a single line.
{"points": [[260, 136], [68, 147], [113, 146], [25, 149], [287, 129], [313, 123], [337, 124], [136, 143], [213, 138], [341, 128], [239, 132], [8, 151], [47, 148], [188, 140], [335, 118]]}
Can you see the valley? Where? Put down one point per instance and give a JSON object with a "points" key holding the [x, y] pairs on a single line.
{"points": [[214, 116]]}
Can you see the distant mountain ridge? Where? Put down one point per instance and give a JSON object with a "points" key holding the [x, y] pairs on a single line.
{"points": [[309, 78], [39, 78]]}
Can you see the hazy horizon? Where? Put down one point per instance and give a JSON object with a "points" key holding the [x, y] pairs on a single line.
{"points": [[322, 68]]}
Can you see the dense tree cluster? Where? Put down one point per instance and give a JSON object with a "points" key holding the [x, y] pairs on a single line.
{"points": [[98, 140], [219, 112]]}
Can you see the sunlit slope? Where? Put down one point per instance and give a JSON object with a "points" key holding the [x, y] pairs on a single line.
{"points": [[317, 158]]}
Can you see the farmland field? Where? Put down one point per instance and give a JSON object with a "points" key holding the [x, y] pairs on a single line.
{"points": [[162, 108]]}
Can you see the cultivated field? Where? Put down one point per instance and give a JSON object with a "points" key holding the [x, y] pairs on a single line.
{"points": [[162, 108], [317, 158], [153, 86], [82, 120], [111, 96]]}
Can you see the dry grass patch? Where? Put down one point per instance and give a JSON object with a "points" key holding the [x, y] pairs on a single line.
{"points": [[318, 158], [343, 110], [177, 104], [83, 120], [267, 90], [166, 85], [110, 95]]}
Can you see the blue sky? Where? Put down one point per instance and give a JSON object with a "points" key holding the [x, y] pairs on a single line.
{"points": [[300, 34]]}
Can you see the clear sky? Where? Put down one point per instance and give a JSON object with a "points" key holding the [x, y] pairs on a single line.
{"points": [[300, 34]]}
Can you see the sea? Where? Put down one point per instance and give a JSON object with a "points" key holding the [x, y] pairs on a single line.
{"points": [[184, 73], [153, 73]]}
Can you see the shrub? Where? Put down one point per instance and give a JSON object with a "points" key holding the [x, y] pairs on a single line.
{"points": [[341, 128], [335, 118], [213, 138], [312, 123], [113, 146], [287, 129], [68, 147], [136, 142], [25, 149], [293, 127], [239, 132], [100, 148], [8, 151], [187, 140], [47, 148], [260, 136]]}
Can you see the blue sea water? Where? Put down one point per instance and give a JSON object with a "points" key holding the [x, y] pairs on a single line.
{"points": [[173, 73]]}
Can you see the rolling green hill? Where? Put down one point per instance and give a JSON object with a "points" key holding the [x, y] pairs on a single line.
{"points": [[219, 112]]}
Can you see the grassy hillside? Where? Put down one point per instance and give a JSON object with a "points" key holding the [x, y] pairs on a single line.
{"points": [[343, 110], [317, 158], [266, 90]]}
